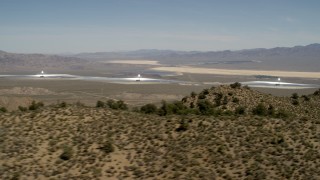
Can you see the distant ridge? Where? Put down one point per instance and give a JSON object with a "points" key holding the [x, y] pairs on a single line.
{"points": [[298, 58], [154, 52], [35, 62]]}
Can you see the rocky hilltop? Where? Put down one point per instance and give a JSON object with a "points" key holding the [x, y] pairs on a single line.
{"points": [[230, 98], [73, 141]]}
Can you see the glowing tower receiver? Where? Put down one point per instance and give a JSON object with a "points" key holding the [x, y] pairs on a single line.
{"points": [[42, 74], [278, 82], [139, 77]]}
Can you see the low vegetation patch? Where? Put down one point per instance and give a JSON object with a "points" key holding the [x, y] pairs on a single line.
{"points": [[3, 109], [35, 105], [259, 137]]}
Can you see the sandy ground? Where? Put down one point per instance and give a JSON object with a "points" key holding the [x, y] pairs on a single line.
{"points": [[188, 69], [139, 62]]}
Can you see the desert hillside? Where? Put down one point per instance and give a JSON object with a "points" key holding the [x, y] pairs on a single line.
{"points": [[66, 141], [230, 98]]}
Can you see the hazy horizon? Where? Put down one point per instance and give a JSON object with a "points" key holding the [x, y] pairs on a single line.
{"points": [[59, 27]]}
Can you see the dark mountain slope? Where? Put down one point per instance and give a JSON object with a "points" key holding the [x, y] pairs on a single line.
{"points": [[37, 62]]}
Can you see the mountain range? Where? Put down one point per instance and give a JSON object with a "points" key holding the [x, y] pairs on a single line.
{"points": [[297, 58]]}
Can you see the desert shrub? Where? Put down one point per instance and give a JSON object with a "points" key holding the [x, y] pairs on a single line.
{"points": [[107, 147], [3, 109], [281, 114], [225, 100], [149, 109], [138, 173], [188, 111], [305, 98], [317, 92], [205, 107], [66, 154], [295, 102], [235, 100], [205, 91], [79, 104], [163, 110], [122, 105], [191, 105], [176, 107], [294, 96], [183, 125], [63, 104], [277, 139], [117, 104], [100, 104], [112, 104], [259, 110], [171, 108], [240, 110], [246, 87], [235, 85], [217, 112], [193, 94], [184, 99], [21, 108], [271, 110], [40, 104], [35, 105], [201, 96], [217, 99]]}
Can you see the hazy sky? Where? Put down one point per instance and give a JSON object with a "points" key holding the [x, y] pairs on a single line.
{"points": [[60, 26]]}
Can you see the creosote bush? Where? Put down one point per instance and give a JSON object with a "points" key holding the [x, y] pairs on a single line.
{"points": [[62, 104], [176, 107], [260, 110], [281, 113], [117, 104], [295, 102], [149, 108], [317, 92], [100, 104], [305, 98], [35, 105], [235, 85], [271, 110], [183, 125], [235, 100], [3, 109], [193, 94], [107, 147], [66, 154], [240, 110], [21, 108], [205, 107], [294, 96]]}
